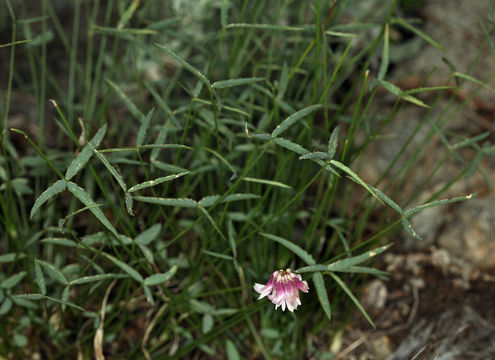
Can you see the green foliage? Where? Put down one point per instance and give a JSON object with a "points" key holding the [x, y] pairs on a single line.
{"points": [[186, 194]]}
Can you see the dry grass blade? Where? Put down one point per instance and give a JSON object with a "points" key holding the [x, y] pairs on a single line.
{"points": [[98, 338]]}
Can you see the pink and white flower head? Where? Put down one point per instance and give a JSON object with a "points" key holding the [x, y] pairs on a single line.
{"points": [[283, 289]]}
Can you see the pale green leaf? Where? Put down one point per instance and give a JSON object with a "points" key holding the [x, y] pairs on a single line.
{"points": [[126, 268], [66, 303], [93, 278], [267, 182], [148, 235], [385, 54], [80, 161], [420, 208], [144, 128], [46, 195], [354, 177], [235, 82], [307, 258], [59, 241], [157, 181], [343, 265], [12, 281], [55, 273], [5, 258], [189, 67], [40, 278], [353, 298], [187, 203], [284, 125], [231, 350], [315, 155], [130, 105], [321, 292], [298, 149], [158, 279], [84, 197], [218, 255], [111, 169], [208, 323], [333, 142]]}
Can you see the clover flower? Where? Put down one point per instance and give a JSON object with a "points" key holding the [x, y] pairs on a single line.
{"points": [[283, 289]]}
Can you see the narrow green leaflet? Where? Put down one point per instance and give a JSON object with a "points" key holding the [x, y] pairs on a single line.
{"points": [[353, 298], [333, 142], [55, 273], [218, 255], [59, 241], [223, 13], [162, 104], [298, 149], [147, 253], [267, 182], [100, 277], [470, 78], [385, 54], [321, 292], [126, 268], [148, 235], [46, 195], [212, 222], [129, 202], [12, 281], [30, 296], [235, 82], [418, 32], [266, 27], [5, 258], [189, 67], [84, 197], [158, 279], [127, 15], [231, 350], [343, 265], [387, 200], [284, 125], [354, 177], [85, 154], [66, 303], [187, 203], [232, 237], [307, 258], [157, 181], [40, 278], [368, 270], [398, 92], [144, 128], [208, 323], [315, 155], [130, 105], [409, 229], [6, 306], [284, 80], [211, 199], [148, 295], [420, 208], [111, 169], [128, 31]]}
